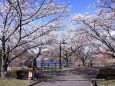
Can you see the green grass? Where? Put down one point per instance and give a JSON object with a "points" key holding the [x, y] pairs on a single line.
{"points": [[107, 83], [13, 82]]}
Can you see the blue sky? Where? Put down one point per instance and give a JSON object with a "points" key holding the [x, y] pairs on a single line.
{"points": [[76, 6], [80, 6]]}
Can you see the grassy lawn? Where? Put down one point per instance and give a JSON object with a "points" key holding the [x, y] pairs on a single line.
{"points": [[107, 83], [13, 82]]}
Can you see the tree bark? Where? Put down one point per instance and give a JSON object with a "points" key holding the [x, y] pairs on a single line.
{"points": [[3, 71], [83, 62], [4, 59], [67, 64], [34, 67]]}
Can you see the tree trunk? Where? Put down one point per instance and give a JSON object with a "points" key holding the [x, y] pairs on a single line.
{"points": [[83, 62], [34, 67], [4, 59], [67, 64], [3, 71], [91, 64]]}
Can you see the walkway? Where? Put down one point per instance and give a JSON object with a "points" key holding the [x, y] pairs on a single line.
{"points": [[69, 79]]}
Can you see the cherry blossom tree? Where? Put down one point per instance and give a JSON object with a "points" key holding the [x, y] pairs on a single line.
{"points": [[73, 42], [79, 46], [25, 25], [99, 28]]}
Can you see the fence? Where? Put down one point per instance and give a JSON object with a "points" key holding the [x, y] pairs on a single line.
{"points": [[53, 64]]}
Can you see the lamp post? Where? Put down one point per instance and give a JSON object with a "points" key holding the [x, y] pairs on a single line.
{"points": [[60, 57], [60, 62]]}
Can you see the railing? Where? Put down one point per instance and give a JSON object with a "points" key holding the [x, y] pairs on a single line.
{"points": [[72, 64], [54, 64]]}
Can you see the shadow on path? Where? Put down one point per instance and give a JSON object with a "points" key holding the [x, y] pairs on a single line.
{"points": [[74, 77], [88, 73]]}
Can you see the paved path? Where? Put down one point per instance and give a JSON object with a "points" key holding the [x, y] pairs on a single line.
{"points": [[68, 79]]}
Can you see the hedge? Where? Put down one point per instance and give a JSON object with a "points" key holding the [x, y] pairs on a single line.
{"points": [[107, 74]]}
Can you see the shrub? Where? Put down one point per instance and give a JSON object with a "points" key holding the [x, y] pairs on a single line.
{"points": [[22, 74], [107, 74], [11, 74]]}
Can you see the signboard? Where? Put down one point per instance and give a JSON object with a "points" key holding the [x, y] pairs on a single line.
{"points": [[30, 73]]}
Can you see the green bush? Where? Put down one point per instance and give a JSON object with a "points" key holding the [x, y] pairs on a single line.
{"points": [[107, 74], [22, 74], [11, 74], [39, 73], [19, 74]]}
